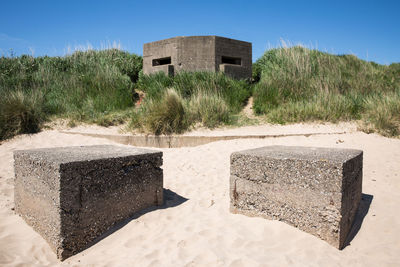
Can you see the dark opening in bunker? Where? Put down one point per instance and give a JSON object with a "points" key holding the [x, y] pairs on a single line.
{"points": [[162, 61], [231, 60]]}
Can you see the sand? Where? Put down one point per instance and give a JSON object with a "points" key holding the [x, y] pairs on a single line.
{"points": [[195, 228]]}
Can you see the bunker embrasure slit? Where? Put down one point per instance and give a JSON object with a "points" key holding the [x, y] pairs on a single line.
{"points": [[162, 61], [231, 60]]}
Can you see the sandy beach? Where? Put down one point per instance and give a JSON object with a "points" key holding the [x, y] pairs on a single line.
{"points": [[195, 227]]}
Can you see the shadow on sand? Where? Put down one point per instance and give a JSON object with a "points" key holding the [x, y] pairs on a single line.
{"points": [[362, 211], [171, 199]]}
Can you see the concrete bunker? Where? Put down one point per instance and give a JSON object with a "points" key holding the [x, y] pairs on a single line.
{"points": [[198, 53]]}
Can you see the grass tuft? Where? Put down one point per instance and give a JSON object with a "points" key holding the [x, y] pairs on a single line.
{"points": [[382, 114], [209, 109], [21, 112], [165, 115]]}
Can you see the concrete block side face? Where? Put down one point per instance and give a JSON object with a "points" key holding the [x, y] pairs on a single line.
{"points": [[312, 195], [36, 195], [278, 189], [158, 50], [196, 53], [234, 49], [351, 196], [103, 193]]}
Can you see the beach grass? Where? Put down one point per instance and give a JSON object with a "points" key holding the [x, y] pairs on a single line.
{"points": [[298, 84], [84, 86], [289, 85], [174, 104]]}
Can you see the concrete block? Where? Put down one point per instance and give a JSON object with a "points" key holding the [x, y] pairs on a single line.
{"points": [[317, 190], [72, 195]]}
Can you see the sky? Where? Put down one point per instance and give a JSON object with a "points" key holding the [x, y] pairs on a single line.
{"points": [[368, 29]]}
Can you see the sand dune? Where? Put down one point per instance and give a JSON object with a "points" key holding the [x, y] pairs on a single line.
{"points": [[195, 228]]}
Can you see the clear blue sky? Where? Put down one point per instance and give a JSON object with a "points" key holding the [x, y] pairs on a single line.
{"points": [[368, 29]]}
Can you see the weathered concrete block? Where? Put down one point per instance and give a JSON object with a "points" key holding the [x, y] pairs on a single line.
{"points": [[72, 195], [315, 189]]}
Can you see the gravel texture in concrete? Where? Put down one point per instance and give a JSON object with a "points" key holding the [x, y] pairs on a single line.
{"points": [[317, 190], [72, 195]]}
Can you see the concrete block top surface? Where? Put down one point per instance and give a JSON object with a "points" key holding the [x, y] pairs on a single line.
{"points": [[85, 153], [302, 153]]}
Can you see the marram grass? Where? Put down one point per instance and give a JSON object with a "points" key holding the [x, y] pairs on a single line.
{"points": [[84, 86], [298, 84], [289, 85]]}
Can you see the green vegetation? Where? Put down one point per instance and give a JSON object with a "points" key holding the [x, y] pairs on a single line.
{"points": [[289, 85], [187, 84], [298, 84], [20, 112], [174, 104], [92, 86], [165, 115], [209, 109]]}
